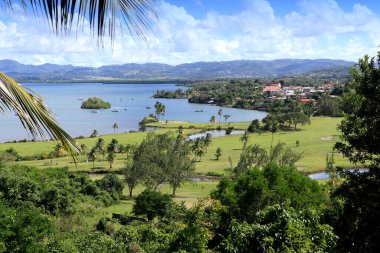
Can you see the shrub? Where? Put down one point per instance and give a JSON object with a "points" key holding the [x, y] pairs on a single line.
{"points": [[152, 204]]}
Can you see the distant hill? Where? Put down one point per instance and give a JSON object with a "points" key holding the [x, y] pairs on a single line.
{"points": [[188, 71]]}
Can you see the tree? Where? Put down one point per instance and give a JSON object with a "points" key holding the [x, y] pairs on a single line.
{"points": [[256, 189], [355, 211], [180, 131], [160, 109], [361, 108], [212, 119], [112, 149], [218, 153], [91, 156], [299, 118], [152, 204], [111, 184], [281, 229], [327, 106], [94, 134], [142, 126], [207, 140], [198, 147], [181, 166], [244, 138], [24, 228], [115, 126], [59, 151], [229, 130], [132, 176], [354, 214], [99, 146], [330, 169], [226, 117], [254, 126], [272, 126], [220, 114]]}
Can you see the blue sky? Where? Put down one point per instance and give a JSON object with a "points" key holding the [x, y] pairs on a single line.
{"points": [[210, 30]]}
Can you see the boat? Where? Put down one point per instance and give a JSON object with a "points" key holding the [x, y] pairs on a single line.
{"points": [[80, 98], [125, 109], [122, 98], [115, 110], [94, 111], [198, 110], [148, 107]]}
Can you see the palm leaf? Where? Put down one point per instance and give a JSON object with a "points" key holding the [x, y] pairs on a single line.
{"points": [[101, 14], [32, 112]]}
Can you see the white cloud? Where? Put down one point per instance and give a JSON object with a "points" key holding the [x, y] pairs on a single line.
{"points": [[320, 29]]}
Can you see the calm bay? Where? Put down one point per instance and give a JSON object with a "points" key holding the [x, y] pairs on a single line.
{"points": [[130, 100]]}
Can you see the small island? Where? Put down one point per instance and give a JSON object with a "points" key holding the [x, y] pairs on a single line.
{"points": [[95, 103]]}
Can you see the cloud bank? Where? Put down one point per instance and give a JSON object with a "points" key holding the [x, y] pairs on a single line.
{"points": [[318, 29]]}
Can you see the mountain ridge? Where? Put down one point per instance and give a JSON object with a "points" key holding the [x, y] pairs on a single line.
{"points": [[190, 71]]}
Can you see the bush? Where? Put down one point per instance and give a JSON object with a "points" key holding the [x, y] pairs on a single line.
{"points": [[152, 204], [111, 184], [214, 174]]}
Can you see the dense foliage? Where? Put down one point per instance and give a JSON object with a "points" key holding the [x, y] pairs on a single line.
{"points": [[179, 93], [95, 103], [361, 123]]}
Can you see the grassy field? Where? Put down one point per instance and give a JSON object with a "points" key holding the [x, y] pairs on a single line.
{"points": [[187, 125], [315, 140]]}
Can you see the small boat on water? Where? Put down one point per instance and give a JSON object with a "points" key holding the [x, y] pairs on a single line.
{"points": [[93, 111], [80, 98], [115, 110], [122, 98], [198, 110], [132, 99], [148, 107], [125, 109]]}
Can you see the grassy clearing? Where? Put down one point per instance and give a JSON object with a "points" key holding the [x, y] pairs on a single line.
{"points": [[188, 193]]}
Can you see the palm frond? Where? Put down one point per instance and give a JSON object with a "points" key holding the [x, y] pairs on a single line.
{"points": [[32, 112], [102, 15]]}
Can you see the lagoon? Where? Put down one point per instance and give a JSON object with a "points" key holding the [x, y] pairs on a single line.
{"points": [[129, 102]]}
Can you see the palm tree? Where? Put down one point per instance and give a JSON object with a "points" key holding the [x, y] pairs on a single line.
{"points": [[220, 113], [92, 157], [33, 114], [226, 118], [212, 119], [163, 111], [58, 152], [244, 138], [207, 140], [218, 153], [112, 149], [102, 17], [115, 126], [99, 147], [94, 133]]}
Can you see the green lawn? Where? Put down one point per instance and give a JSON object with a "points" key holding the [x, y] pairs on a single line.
{"points": [[315, 139]]}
